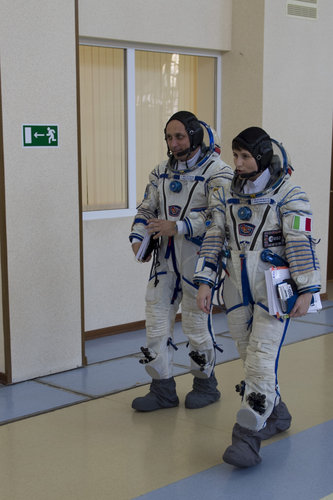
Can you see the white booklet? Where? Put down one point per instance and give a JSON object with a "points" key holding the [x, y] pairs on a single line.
{"points": [[142, 252], [282, 292]]}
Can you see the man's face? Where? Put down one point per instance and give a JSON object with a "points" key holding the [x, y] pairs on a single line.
{"points": [[245, 163], [178, 140]]}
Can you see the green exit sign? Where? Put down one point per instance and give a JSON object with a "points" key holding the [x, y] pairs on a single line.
{"points": [[40, 135]]}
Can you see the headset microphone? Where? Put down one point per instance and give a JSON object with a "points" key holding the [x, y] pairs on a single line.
{"points": [[182, 153], [248, 176]]}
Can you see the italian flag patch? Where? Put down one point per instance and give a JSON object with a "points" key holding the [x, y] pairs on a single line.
{"points": [[302, 223]]}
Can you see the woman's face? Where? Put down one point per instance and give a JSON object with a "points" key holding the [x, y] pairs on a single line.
{"points": [[245, 163]]}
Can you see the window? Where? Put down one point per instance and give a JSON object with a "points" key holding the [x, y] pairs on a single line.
{"points": [[126, 96], [103, 147]]}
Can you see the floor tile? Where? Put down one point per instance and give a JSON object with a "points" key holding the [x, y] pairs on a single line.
{"points": [[325, 317], [27, 398], [301, 330], [102, 378], [114, 346]]}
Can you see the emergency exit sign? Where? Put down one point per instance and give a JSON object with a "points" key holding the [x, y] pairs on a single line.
{"points": [[40, 135]]}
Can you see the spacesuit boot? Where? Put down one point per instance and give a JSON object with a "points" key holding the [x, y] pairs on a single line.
{"points": [[279, 421], [162, 394], [204, 393], [244, 450]]}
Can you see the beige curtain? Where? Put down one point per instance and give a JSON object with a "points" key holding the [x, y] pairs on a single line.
{"points": [[104, 169], [165, 83]]}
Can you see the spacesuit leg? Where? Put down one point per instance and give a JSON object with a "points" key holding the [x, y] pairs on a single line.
{"points": [[261, 391], [258, 337], [158, 355], [160, 320], [201, 347], [195, 324], [239, 317]]}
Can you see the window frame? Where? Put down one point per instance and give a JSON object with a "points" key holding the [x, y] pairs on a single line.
{"points": [[129, 53]]}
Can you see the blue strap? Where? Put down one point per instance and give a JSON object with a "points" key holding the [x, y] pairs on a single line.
{"points": [[278, 355], [170, 342], [247, 295], [233, 308], [171, 251], [210, 326], [139, 220]]}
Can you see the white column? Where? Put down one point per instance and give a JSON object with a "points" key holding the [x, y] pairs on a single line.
{"points": [[38, 83]]}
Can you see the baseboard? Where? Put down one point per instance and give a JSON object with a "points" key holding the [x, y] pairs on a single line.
{"points": [[129, 327], [115, 330], [3, 378]]}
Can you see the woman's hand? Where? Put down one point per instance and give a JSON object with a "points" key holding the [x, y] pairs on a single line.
{"points": [[301, 306], [204, 298]]}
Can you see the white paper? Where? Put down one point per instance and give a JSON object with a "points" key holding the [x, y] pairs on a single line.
{"points": [[274, 276], [143, 246]]}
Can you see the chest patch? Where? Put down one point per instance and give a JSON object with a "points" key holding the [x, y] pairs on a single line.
{"points": [[174, 210], [273, 238], [246, 229]]}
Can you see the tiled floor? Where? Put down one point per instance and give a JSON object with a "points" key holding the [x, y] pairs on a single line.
{"points": [[113, 366], [73, 435]]}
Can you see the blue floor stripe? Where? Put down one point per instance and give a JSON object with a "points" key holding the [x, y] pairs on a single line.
{"points": [[298, 466]]}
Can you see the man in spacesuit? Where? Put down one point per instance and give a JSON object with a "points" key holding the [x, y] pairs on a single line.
{"points": [[266, 220], [175, 210]]}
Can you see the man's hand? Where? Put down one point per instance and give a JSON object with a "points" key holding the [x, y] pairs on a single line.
{"points": [[301, 306], [162, 228], [204, 298]]}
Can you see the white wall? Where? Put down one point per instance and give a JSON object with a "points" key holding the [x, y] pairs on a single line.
{"points": [[114, 282], [38, 75], [298, 99], [186, 23]]}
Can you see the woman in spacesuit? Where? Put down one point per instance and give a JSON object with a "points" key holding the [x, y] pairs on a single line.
{"points": [[265, 220]]}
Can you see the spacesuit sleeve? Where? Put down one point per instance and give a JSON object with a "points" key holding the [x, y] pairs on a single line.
{"points": [[296, 217], [221, 176], [211, 249], [147, 209]]}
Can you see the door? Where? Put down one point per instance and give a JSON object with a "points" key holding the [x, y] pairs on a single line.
{"points": [[330, 230]]}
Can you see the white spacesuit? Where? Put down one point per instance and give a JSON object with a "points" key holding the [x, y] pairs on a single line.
{"points": [[265, 227], [179, 191]]}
